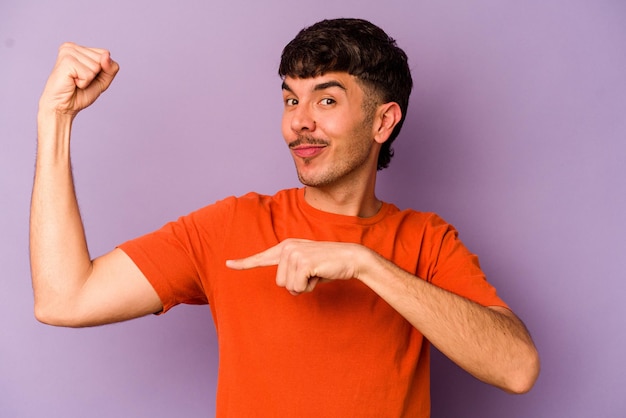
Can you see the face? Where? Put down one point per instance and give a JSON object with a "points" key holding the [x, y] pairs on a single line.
{"points": [[328, 130]]}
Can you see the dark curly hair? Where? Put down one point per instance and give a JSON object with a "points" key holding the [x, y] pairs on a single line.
{"points": [[361, 49]]}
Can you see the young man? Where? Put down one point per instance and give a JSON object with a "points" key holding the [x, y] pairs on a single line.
{"points": [[325, 299]]}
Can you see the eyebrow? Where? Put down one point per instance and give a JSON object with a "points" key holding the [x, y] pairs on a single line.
{"points": [[318, 87]]}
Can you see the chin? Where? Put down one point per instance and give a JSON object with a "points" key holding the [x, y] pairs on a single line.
{"points": [[308, 180], [315, 181]]}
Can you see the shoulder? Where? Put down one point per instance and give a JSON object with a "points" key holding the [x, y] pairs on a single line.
{"points": [[415, 219], [426, 229], [247, 208]]}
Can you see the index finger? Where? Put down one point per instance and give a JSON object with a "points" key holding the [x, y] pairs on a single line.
{"points": [[269, 257]]}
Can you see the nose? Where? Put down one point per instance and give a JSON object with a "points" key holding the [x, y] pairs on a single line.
{"points": [[302, 120]]}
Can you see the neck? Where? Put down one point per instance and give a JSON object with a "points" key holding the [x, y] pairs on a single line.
{"points": [[347, 199]]}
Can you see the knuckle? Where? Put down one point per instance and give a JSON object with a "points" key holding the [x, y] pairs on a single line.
{"points": [[289, 245], [66, 46], [299, 287]]}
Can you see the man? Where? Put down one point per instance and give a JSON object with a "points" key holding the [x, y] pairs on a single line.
{"points": [[324, 298]]}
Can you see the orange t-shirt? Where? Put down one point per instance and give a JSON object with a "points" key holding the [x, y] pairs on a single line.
{"points": [[340, 351]]}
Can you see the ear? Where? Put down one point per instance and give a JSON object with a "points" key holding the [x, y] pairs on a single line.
{"points": [[388, 116]]}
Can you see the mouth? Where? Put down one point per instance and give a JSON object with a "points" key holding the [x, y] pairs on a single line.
{"points": [[308, 151], [307, 148]]}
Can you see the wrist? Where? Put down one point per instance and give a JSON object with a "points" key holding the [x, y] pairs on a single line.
{"points": [[47, 115], [368, 262], [53, 133]]}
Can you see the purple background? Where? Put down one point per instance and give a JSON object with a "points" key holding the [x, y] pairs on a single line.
{"points": [[515, 134]]}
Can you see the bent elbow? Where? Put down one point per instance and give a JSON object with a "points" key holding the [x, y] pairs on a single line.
{"points": [[42, 315], [523, 380], [46, 316], [49, 315]]}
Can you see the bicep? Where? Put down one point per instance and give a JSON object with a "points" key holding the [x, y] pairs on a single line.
{"points": [[115, 291]]}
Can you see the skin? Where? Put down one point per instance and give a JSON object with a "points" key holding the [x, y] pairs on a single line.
{"points": [[70, 289], [329, 109], [335, 145]]}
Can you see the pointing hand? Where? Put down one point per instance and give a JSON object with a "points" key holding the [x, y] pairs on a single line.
{"points": [[303, 263]]}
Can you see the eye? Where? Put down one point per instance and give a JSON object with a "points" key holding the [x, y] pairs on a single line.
{"points": [[291, 102], [327, 101]]}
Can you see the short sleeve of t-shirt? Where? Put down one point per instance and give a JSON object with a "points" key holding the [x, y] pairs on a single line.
{"points": [[451, 266], [174, 257]]}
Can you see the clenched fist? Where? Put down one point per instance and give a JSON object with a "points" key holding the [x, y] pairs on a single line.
{"points": [[79, 76]]}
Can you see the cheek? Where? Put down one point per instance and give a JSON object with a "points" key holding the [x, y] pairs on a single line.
{"points": [[341, 124], [286, 128]]}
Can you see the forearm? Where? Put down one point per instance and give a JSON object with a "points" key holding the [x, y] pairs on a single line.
{"points": [[491, 344], [60, 261]]}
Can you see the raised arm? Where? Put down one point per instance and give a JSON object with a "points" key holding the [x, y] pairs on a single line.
{"points": [[70, 289]]}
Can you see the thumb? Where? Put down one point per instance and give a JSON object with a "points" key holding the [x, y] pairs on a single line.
{"points": [[109, 70]]}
